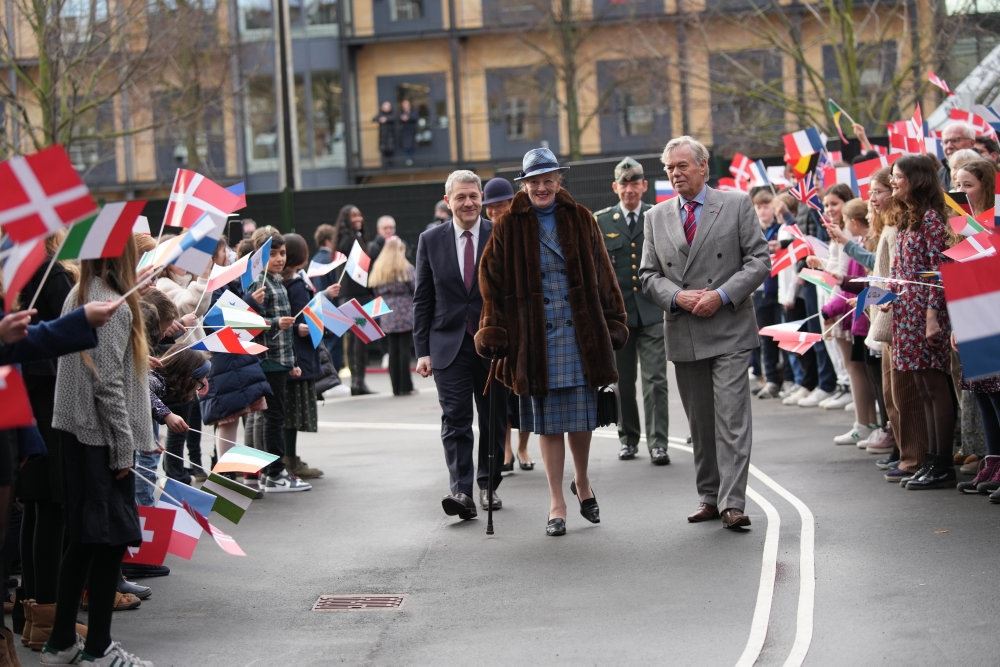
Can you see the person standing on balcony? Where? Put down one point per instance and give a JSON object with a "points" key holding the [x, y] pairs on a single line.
{"points": [[386, 120]]}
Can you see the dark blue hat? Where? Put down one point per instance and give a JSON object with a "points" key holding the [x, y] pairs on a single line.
{"points": [[538, 161], [496, 190]]}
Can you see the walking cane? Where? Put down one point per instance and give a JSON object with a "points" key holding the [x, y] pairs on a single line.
{"points": [[491, 441]]}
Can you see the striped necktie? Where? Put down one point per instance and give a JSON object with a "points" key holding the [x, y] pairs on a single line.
{"points": [[690, 225]]}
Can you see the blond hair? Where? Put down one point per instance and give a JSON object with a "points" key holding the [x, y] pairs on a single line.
{"points": [[391, 266]]}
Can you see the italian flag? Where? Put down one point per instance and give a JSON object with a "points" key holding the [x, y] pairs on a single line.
{"points": [[243, 459], [102, 235]]}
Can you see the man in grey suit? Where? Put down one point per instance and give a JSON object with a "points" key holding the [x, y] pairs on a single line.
{"points": [[702, 259]]}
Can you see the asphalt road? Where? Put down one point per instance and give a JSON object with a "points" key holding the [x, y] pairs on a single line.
{"points": [[899, 576]]}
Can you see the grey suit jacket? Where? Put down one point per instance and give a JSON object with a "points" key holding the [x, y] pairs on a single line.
{"points": [[729, 252]]}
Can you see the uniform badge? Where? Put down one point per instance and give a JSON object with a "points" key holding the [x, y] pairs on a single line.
{"points": [[612, 235], [616, 216]]}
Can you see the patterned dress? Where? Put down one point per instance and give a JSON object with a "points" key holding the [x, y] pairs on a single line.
{"points": [[570, 404], [919, 250]]}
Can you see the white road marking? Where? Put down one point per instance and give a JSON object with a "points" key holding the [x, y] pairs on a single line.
{"points": [[765, 591]]}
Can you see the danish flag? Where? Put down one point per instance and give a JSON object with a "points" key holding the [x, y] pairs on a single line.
{"points": [[979, 124], [787, 257], [863, 171], [40, 193], [939, 82], [740, 168], [194, 196]]}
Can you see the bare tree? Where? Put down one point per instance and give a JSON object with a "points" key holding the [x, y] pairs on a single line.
{"points": [[870, 56], [561, 36], [85, 73]]}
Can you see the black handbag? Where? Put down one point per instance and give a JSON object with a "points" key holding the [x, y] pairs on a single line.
{"points": [[608, 406]]}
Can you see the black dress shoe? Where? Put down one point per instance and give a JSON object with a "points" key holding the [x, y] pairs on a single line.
{"points": [[555, 527], [484, 500], [137, 571], [659, 456], [938, 477], [627, 452], [508, 467], [459, 504], [588, 508], [361, 390], [526, 465]]}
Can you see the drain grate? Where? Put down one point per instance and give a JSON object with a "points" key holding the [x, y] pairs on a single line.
{"points": [[358, 602]]}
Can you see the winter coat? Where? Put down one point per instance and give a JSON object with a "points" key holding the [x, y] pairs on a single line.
{"points": [[399, 297], [513, 318], [306, 357], [348, 288]]}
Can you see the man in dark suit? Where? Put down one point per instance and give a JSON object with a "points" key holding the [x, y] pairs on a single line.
{"points": [[621, 226], [446, 309]]}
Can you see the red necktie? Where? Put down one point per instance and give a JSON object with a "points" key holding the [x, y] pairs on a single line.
{"points": [[690, 224], [469, 265]]}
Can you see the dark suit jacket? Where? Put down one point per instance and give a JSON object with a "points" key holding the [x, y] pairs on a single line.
{"points": [[625, 250], [441, 305]]}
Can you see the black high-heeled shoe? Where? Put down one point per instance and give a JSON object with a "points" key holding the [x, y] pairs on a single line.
{"points": [[588, 508], [508, 467], [556, 527], [525, 465]]}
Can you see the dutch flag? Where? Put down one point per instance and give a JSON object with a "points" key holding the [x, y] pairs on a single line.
{"points": [[973, 296]]}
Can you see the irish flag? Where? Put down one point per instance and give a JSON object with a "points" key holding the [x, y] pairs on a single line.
{"points": [[102, 235], [358, 265], [973, 296], [244, 459], [232, 498], [226, 340]]}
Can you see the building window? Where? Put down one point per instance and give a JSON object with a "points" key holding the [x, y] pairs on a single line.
{"points": [[326, 125], [419, 128], [636, 113], [81, 19], [522, 110], [92, 152], [321, 12], [634, 110], [256, 18], [262, 130], [747, 115], [406, 10], [517, 123]]}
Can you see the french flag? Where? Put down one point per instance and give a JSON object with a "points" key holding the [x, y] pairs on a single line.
{"points": [[973, 296], [803, 143], [664, 191]]}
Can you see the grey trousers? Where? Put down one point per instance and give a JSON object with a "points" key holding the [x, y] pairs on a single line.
{"points": [[645, 350], [715, 393]]}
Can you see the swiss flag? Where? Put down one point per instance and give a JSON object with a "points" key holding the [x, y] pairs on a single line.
{"points": [[193, 196], [157, 528], [16, 411], [40, 193]]}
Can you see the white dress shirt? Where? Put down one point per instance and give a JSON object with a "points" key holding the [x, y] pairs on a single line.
{"points": [[625, 211], [460, 243]]}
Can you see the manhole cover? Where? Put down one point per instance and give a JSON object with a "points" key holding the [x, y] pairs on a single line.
{"points": [[358, 602]]}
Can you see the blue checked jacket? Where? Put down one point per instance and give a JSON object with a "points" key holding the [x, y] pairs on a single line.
{"points": [[562, 352]]}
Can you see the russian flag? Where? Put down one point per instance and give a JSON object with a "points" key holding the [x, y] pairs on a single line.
{"points": [[803, 143], [664, 191], [973, 296]]}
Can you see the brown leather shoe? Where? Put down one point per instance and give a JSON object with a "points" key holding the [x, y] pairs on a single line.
{"points": [[733, 518], [705, 512]]}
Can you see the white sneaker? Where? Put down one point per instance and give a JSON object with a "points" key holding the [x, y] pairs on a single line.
{"points": [[849, 407], [857, 433], [836, 401], [796, 396], [284, 483], [67, 656], [814, 398], [877, 437], [115, 656]]}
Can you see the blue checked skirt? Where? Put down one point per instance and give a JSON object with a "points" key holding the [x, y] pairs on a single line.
{"points": [[565, 410]]}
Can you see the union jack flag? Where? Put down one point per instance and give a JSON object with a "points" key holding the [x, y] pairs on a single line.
{"points": [[807, 193]]}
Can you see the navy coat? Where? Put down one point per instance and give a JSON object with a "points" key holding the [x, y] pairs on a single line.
{"points": [[306, 357], [235, 380]]}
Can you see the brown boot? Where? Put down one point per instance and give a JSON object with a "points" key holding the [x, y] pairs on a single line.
{"points": [[43, 616], [8, 653], [26, 632], [301, 469]]}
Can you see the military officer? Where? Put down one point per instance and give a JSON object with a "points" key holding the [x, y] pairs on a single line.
{"points": [[621, 226]]}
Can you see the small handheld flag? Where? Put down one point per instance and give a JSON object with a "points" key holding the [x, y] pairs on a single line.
{"points": [[939, 82], [223, 275], [156, 525], [973, 298], [664, 190], [316, 269], [257, 265], [104, 234], [314, 319], [377, 307], [972, 248], [364, 327], [244, 459], [19, 263], [16, 411], [226, 340], [358, 265], [873, 295], [193, 196], [232, 498], [803, 143]]}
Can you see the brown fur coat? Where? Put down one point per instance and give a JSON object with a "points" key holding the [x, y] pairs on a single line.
{"points": [[513, 319]]}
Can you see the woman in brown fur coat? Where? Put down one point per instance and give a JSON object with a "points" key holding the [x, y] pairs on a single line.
{"points": [[553, 313]]}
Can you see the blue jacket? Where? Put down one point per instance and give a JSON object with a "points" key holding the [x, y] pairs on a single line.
{"points": [[306, 357], [235, 381]]}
